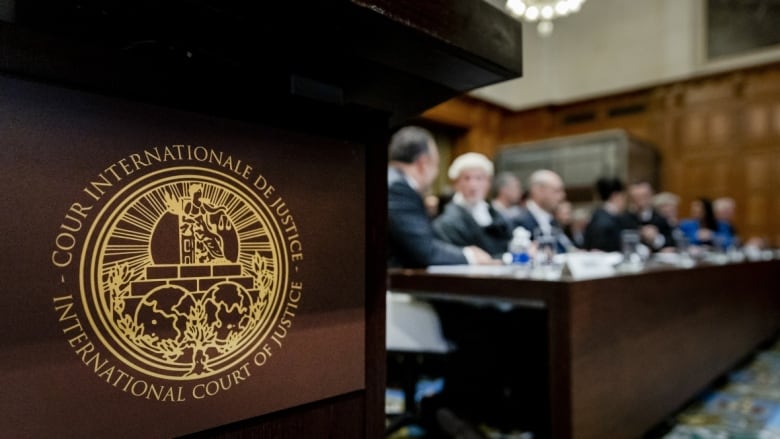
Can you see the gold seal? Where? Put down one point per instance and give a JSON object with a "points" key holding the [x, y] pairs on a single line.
{"points": [[185, 275]]}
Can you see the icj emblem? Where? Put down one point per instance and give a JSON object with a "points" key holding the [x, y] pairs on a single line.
{"points": [[182, 273]]}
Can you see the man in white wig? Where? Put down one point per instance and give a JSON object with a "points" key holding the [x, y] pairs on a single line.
{"points": [[469, 219]]}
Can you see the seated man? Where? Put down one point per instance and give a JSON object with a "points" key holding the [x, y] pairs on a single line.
{"points": [[667, 205], [545, 193], [414, 165], [508, 193], [573, 222], [603, 231], [724, 209], [654, 231], [468, 219], [477, 375]]}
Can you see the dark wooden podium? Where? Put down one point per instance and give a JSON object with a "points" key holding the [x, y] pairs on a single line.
{"points": [[260, 103]]}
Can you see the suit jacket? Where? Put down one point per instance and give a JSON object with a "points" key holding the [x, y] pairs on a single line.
{"points": [[603, 231], [411, 241], [527, 221], [660, 223], [577, 239], [457, 226]]}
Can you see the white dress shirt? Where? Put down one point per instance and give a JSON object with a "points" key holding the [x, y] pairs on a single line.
{"points": [[542, 217], [479, 210]]}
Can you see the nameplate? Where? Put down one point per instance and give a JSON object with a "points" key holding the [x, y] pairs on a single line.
{"points": [[591, 265]]}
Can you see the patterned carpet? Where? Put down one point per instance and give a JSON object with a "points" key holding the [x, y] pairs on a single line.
{"points": [[746, 407]]}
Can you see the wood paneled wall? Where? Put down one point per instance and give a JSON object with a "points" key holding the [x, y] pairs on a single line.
{"points": [[717, 136]]}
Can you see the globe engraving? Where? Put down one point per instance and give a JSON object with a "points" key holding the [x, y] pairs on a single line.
{"points": [[186, 277]]}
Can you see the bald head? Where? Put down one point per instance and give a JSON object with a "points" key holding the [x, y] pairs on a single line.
{"points": [[544, 177], [545, 188]]}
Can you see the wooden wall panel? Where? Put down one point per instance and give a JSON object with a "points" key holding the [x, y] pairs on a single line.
{"points": [[762, 205], [527, 125], [756, 122], [691, 132], [482, 123], [756, 210], [757, 172], [776, 120], [762, 82], [709, 177], [706, 91], [773, 233], [721, 128], [717, 136]]}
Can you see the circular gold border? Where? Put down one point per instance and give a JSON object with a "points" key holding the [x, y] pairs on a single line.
{"points": [[114, 217], [180, 174]]}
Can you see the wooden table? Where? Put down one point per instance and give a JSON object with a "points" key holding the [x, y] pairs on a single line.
{"points": [[627, 351]]}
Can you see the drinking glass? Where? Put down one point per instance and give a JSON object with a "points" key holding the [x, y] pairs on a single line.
{"points": [[545, 248], [630, 242]]}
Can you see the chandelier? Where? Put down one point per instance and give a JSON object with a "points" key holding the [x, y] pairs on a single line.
{"points": [[543, 11]]}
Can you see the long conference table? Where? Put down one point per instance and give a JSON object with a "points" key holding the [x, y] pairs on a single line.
{"points": [[627, 351]]}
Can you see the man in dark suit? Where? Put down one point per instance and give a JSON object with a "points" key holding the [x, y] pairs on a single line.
{"points": [[508, 194], [654, 231], [608, 221], [545, 192], [414, 165], [468, 219]]}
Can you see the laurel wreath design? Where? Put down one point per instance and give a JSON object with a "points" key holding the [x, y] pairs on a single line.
{"points": [[199, 341]]}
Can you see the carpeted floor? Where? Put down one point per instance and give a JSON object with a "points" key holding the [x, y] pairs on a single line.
{"points": [[746, 407]]}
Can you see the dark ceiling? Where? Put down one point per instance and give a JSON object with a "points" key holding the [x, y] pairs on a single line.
{"points": [[373, 54]]}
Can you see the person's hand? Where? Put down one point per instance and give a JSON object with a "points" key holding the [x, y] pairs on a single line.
{"points": [[649, 233], [481, 257], [704, 235]]}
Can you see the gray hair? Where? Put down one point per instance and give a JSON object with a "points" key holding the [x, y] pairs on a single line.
{"points": [[665, 198], [409, 143]]}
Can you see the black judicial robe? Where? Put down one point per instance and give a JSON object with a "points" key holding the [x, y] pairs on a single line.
{"points": [[456, 225]]}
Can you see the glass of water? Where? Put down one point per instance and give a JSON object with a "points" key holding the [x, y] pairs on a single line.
{"points": [[632, 254], [544, 259]]}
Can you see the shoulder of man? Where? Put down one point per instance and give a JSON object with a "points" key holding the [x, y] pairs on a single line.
{"points": [[452, 216], [400, 191], [526, 219]]}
